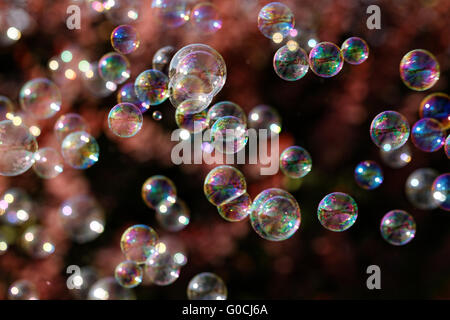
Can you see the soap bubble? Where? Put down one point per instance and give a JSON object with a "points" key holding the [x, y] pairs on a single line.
{"points": [[36, 242], [389, 130], [447, 146], [67, 124], [6, 108], [398, 227], [157, 189], [237, 209], [95, 84], [80, 150], [127, 94], [441, 191], [436, 106], [109, 289], [190, 87], [205, 18], [83, 281], [418, 188], [291, 62], [225, 108], [122, 11], [206, 286], [125, 120], [172, 214], [41, 98], [223, 184], [337, 211], [229, 135], [188, 117], [138, 242], [428, 135], [151, 87], [171, 13], [48, 163], [265, 117], [355, 50], [128, 274], [17, 146], [295, 162], [175, 247], [368, 175], [275, 18], [114, 67], [157, 115], [397, 158], [326, 59], [419, 70], [125, 39], [162, 58], [83, 218], [275, 214], [22, 290], [16, 206], [161, 268]]}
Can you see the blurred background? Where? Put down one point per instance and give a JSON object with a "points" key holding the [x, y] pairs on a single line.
{"points": [[328, 117]]}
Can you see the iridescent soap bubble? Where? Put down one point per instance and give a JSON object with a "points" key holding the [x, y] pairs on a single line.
{"points": [[173, 214], [128, 274], [428, 135], [22, 290], [368, 175], [229, 135], [326, 59], [127, 94], [161, 267], [398, 227], [275, 18], [157, 189], [16, 207], [188, 117], [418, 188], [295, 162], [109, 289], [151, 87], [83, 218], [17, 146], [171, 13], [223, 184], [125, 120], [397, 158], [355, 50], [265, 117], [206, 286], [36, 242], [419, 70], [389, 130], [80, 150], [441, 191], [222, 109], [447, 146], [436, 106], [205, 18], [337, 211], [275, 214], [125, 39], [67, 124], [157, 115], [237, 209], [291, 62], [6, 108], [162, 58], [190, 87], [138, 242], [48, 163], [41, 98], [114, 67]]}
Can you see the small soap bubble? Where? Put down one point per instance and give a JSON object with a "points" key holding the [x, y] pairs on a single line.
{"points": [[48, 163], [337, 211], [95, 84], [109, 289], [368, 175], [114, 67], [41, 98], [222, 109], [171, 13], [206, 286], [265, 117], [67, 124], [16, 207], [138, 242], [355, 50], [275, 18], [161, 59], [22, 290], [36, 242], [173, 214], [80, 150], [419, 70], [157, 115], [151, 87], [175, 247], [326, 59], [229, 135], [161, 267], [291, 63], [237, 209], [389, 130], [125, 120], [127, 94], [128, 274], [295, 162], [436, 106], [125, 39], [205, 18], [441, 191], [428, 135], [223, 184], [447, 146], [157, 189], [397, 158], [188, 117], [7, 108], [418, 188], [398, 227]]}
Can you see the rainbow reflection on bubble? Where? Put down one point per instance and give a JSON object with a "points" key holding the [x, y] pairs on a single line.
{"points": [[275, 18], [188, 117], [125, 39], [114, 67], [80, 150], [222, 109], [337, 211], [389, 130], [428, 135], [156, 189], [223, 184], [419, 70], [326, 60], [295, 162], [447, 146], [128, 274], [355, 50], [229, 135], [237, 209], [125, 120], [127, 94], [138, 242], [368, 175], [151, 87], [441, 191], [436, 106], [398, 227], [291, 62]]}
